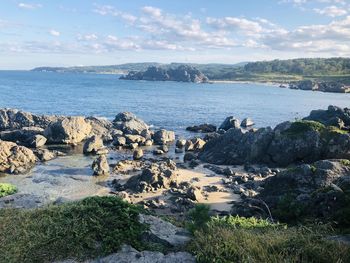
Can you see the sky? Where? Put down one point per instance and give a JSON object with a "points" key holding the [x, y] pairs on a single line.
{"points": [[82, 32]]}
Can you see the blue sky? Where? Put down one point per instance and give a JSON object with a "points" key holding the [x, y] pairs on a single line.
{"points": [[82, 32]]}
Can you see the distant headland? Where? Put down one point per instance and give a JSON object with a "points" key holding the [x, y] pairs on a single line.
{"points": [[317, 74]]}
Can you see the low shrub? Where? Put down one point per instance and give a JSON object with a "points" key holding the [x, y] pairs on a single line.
{"points": [[92, 227], [7, 189]]}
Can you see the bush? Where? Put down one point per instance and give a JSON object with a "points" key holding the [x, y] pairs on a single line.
{"points": [[198, 217], [92, 227], [7, 189], [218, 243]]}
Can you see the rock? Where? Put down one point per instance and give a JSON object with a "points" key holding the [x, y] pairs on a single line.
{"points": [[101, 128], [194, 193], [155, 176], [182, 73], [163, 148], [158, 152], [148, 142], [333, 116], [189, 156], [128, 254], [128, 123], [70, 130], [165, 232], [135, 139], [25, 136], [45, 155], [133, 145], [247, 123], [37, 141], [203, 128], [11, 119], [100, 165], [189, 146], [288, 143], [20, 201], [15, 159], [138, 154], [238, 147], [180, 143], [230, 122], [312, 191], [93, 145], [163, 137], [119, 141]]}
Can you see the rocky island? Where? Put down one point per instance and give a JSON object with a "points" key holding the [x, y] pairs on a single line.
{"points": [[182, 73], [297, 171]]}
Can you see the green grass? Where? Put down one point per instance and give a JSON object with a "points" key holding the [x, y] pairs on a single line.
{"points": [[89, 228], [7, 189], [218, 243], [300, 127]]}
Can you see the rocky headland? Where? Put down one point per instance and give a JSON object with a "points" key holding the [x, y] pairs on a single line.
{"points": [[182, 73]]}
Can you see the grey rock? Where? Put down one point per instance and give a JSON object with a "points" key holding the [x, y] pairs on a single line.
{"points": [[247, 123], [230, 122], [93, 145], [163, 137], [128, 123], [100, 166], [70, 130], [15, 159], [138, 154]]}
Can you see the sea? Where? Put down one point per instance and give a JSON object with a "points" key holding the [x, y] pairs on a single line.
{"points": [[169, 105]]}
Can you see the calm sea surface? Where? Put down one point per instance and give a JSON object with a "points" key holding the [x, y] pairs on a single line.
{"points": [[170, 105]]}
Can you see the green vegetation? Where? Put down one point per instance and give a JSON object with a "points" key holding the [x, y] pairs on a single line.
{"points": [[7, 189], [345, 162], [295, 244], [299, 127], [318, 69], [239, 239], [92, 227]]}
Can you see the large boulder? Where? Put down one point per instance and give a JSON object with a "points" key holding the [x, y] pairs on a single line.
{"points": [[93, 145], [128, 123], [15, 159], [70, 130], [333, 116], [318, 190], [288, 143], [238, 147], [101, 128], [155, 176], [230, 122], [163, 137], [27, 136], [15, 119]]}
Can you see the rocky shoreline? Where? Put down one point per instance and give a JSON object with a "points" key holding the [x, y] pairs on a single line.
{"points": [[297, 170]]}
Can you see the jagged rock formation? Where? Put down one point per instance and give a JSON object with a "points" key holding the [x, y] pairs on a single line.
{"points": [[320, 86], [182, 73], [289, 142]]}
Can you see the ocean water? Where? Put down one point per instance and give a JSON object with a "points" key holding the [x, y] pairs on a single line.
{"points": [[171, 105]]}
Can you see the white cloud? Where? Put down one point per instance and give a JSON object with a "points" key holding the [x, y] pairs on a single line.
{"points": [[105, 10], [87, 37], [332, 11], [54, 33], [29, 6]]}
